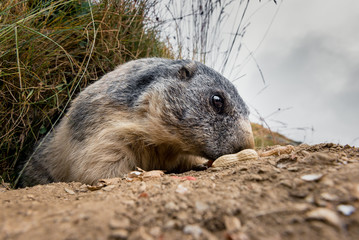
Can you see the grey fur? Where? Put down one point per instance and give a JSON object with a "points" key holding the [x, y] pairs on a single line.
{"points": [[151, 113]]}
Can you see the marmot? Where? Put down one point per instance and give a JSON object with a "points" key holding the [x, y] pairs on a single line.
{"points": [[153, 113]]}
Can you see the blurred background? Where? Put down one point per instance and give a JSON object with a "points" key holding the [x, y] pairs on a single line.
{"points": [[295, 63]]}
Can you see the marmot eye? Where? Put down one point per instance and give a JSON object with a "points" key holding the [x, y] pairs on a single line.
{"points": [[217, 103]]}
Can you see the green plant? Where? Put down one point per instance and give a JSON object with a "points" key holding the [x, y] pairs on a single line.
{"points": [[50, 50]]}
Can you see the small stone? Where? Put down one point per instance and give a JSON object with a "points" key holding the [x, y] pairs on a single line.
{"points": [[129, 202], [320, 158], [301, 207], [140, 233], [123, 223], [119, 234], [171, 206], [329, 197], [155, 231], [346, 210], [286, 183], [312, 177], [232, 224], [182, 216], [181, 189], [299, 193], [30, 197], [95, 187], [170, 224], [201, 206], [153, 174], [310, 198], [83, 188], [327, 181], [326, 215], [194, 230], [293, 169], [69, 191]]}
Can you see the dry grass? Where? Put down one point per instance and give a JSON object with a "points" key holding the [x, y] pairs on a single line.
{"points": [[49, 50], [264, 137]]}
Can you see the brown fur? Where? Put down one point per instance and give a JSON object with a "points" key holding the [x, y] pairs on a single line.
{"points": [[108, 131]]}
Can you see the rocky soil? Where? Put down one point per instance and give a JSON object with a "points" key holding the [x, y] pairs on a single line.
{"points": [[310, 193]]}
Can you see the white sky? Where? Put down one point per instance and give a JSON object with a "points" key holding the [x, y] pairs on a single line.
{"points": [[309, 58], [310, 62]]}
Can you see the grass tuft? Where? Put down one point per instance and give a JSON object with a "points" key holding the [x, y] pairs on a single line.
{"points": [[50, 50]]}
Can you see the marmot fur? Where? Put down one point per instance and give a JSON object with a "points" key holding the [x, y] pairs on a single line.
{"points": [[150, 113]]}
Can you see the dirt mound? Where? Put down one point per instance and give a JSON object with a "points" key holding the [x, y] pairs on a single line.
{"points": [[311, 193]]}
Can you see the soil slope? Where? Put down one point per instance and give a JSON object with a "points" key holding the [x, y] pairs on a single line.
{"points": [[311, 193]]}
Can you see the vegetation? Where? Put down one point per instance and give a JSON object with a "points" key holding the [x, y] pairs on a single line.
{"points": [[265, 137], [50, 49]]}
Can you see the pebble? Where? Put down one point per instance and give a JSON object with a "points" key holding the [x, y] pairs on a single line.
{"points": [[301, 207], [312, 177], [155, 231], [293, 169], [171, 206], [153, 174], [201, 206], [69, 191], [326, 215], [299, 193], [181, 189], [328, 182], [134, 174], [194, 230], [310, 198], [286, 183], [329, 197], [140, 233], [346, 210], [119, 234], [232, 224], [320, 158], [123, 223], [170, 224], [83, 188], [182, 216], [31, 197]]}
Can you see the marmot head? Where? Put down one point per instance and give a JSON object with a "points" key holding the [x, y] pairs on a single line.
{"points": [[195, 105]]}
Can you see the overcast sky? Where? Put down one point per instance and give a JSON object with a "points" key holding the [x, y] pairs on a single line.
{"points": [[310, 63], [307, 51]]}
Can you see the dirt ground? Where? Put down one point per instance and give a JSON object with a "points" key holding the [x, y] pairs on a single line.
{"points": [[311, 193]]}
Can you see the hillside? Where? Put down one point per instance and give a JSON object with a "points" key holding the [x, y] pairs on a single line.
{"points": [[264, 137]]}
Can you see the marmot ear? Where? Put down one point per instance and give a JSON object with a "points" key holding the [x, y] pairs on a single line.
{"points": [[187, 71]]}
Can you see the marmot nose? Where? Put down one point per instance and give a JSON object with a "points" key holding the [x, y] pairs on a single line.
{"points": [[246, 139], [249, 141]]}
